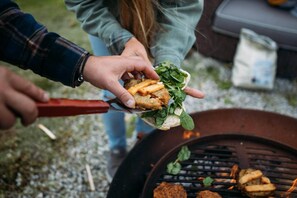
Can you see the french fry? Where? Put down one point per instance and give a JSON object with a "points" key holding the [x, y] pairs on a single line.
{"points": [[250, 176], [260, 188], [151, 88], [265, 180], [134, 89]]}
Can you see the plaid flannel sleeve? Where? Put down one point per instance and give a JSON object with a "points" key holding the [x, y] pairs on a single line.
{"points": [[26, 43]]}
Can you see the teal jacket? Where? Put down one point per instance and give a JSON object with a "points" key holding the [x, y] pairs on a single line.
{"points": [[177, 17]]}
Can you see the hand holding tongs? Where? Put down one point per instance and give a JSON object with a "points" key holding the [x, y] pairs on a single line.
{"points": [[57, 107]]}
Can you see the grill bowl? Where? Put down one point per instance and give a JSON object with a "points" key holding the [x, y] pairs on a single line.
{"points": [[132, 174], [214, 156]]}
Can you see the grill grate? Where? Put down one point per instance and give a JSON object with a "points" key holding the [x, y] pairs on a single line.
{"points": [[214, 156]]}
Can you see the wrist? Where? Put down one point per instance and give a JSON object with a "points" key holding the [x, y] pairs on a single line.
{"points": [[79, 75], [132, 39], [88, 71]]}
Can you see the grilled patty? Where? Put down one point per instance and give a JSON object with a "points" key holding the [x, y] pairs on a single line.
{"points": [[208, 194], [168, 190]]}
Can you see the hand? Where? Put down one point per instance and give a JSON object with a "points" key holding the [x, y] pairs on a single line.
{"points": [[105, 72], [17, 99], [134, 48]]}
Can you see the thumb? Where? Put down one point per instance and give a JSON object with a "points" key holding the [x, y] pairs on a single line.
{"points": [[28, 88], [121, 93], [194, 92]]}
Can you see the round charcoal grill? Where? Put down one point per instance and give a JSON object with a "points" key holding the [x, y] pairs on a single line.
{"points": [[249, 138], [214, 156]]}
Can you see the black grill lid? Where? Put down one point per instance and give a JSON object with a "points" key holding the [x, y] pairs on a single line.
{"points": [[214, 156]]}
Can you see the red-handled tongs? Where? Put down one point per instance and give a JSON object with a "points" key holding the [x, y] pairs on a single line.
{"points": [[57, 107]]}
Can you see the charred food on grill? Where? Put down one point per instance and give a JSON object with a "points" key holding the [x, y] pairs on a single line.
{"points": [[148, 94], [208, 194], [168, 190], [254, 184]]}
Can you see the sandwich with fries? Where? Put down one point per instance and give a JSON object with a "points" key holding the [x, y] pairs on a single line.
{"points": [[165, 97]]}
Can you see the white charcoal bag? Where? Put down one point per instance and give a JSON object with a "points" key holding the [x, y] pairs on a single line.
{"points": [[254, 61]]}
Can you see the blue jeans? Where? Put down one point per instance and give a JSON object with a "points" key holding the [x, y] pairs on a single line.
{"points": [[114, 122]]}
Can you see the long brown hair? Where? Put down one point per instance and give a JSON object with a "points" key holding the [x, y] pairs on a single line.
{"points": [[138, 16]]}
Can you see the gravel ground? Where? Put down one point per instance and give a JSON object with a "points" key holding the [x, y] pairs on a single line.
{"points": [[66, 177]]}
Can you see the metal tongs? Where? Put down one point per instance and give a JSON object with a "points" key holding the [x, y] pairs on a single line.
{"points": [[58, 107]]}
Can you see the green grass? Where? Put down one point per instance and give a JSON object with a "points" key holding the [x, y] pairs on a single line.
{"points": [[292, 96], [214, 73], [292, 99]]}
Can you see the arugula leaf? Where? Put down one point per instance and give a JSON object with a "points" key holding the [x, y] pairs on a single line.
{"points": [[186, 121], [175, 167], [179, 96], [207, 182], [176, 76], [173, 80], [160, 121], [184, 154], [170, 74]]}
